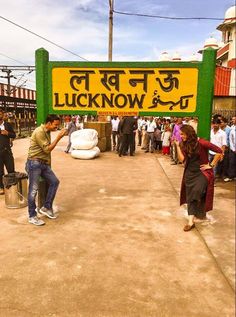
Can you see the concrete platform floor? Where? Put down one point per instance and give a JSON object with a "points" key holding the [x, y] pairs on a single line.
{"points": [[117, 248]]}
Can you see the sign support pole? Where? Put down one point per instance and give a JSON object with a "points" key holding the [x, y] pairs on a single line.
{"points": [[206, 93], [41, 61]]}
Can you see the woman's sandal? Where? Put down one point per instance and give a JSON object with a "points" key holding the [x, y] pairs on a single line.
{"points": [[188, 227]]}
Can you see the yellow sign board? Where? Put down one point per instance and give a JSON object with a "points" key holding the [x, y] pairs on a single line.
{"points": [[112, 91]]}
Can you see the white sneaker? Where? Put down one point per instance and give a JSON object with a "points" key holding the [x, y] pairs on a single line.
{"points": [[36, 221], [227, 179], [47, 212]]}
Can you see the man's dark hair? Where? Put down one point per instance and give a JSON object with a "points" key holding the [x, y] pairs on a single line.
{"points": [[216, 116], [224, 120], [216, 121], [52, 117]]}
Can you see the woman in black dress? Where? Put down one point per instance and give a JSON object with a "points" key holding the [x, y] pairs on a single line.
{"points": [[197, 188]]}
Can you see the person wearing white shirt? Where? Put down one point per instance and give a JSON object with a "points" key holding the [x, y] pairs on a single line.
{"points": [[166, 136], [194, 123], [141, 124], [218, 138], [232, 153], [114, 125], [144, 135], [151, 126]]}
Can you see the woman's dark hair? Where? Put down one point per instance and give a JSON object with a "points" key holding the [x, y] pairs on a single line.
{"points": [[51, 118], [191, 144]]}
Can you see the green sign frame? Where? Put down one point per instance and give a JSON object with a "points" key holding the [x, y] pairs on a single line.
{"points": [[205, 89]]}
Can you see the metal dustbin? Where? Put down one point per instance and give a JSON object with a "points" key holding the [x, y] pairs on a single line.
{"points": [[16, 190]]}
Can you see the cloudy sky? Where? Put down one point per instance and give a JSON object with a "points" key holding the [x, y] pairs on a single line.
{"points": [[81, 26]]}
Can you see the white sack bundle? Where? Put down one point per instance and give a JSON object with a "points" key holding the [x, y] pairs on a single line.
{"points": [[84, 139], [85, 154]]}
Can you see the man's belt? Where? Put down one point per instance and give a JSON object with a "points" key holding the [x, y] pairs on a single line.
{"points": [[38, 159]]}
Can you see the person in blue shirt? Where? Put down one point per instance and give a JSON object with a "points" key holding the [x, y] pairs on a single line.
{"points": [[225, 163]]}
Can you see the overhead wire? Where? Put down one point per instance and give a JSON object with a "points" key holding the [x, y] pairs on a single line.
{"points": [[42, 37], [164, 17], [15, 60], [21, 75]]}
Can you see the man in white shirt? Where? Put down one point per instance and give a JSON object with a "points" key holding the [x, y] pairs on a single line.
{"points": [[114, 124], [141, 124], [194, 123], [151, 126], [218, 137]]}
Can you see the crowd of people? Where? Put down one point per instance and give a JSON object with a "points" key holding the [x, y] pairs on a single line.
{"points": [[159, 135], [175, 137], [152, 134]]}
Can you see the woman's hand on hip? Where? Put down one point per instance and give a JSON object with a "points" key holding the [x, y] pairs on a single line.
{"points": [[204, 167]]}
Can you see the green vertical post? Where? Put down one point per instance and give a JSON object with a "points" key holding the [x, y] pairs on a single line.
{"points": [[41, 63], [206, 92]]}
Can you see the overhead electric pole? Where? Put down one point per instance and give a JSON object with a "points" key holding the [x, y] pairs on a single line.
{"points": [[111, 6], [8, 77], [8, 70]]}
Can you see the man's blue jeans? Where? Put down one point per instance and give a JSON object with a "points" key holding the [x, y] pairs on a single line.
{"points": [[35, 170]]}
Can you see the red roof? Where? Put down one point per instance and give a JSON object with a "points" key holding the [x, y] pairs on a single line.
{"points": [[17, 92], [222, 81]]}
